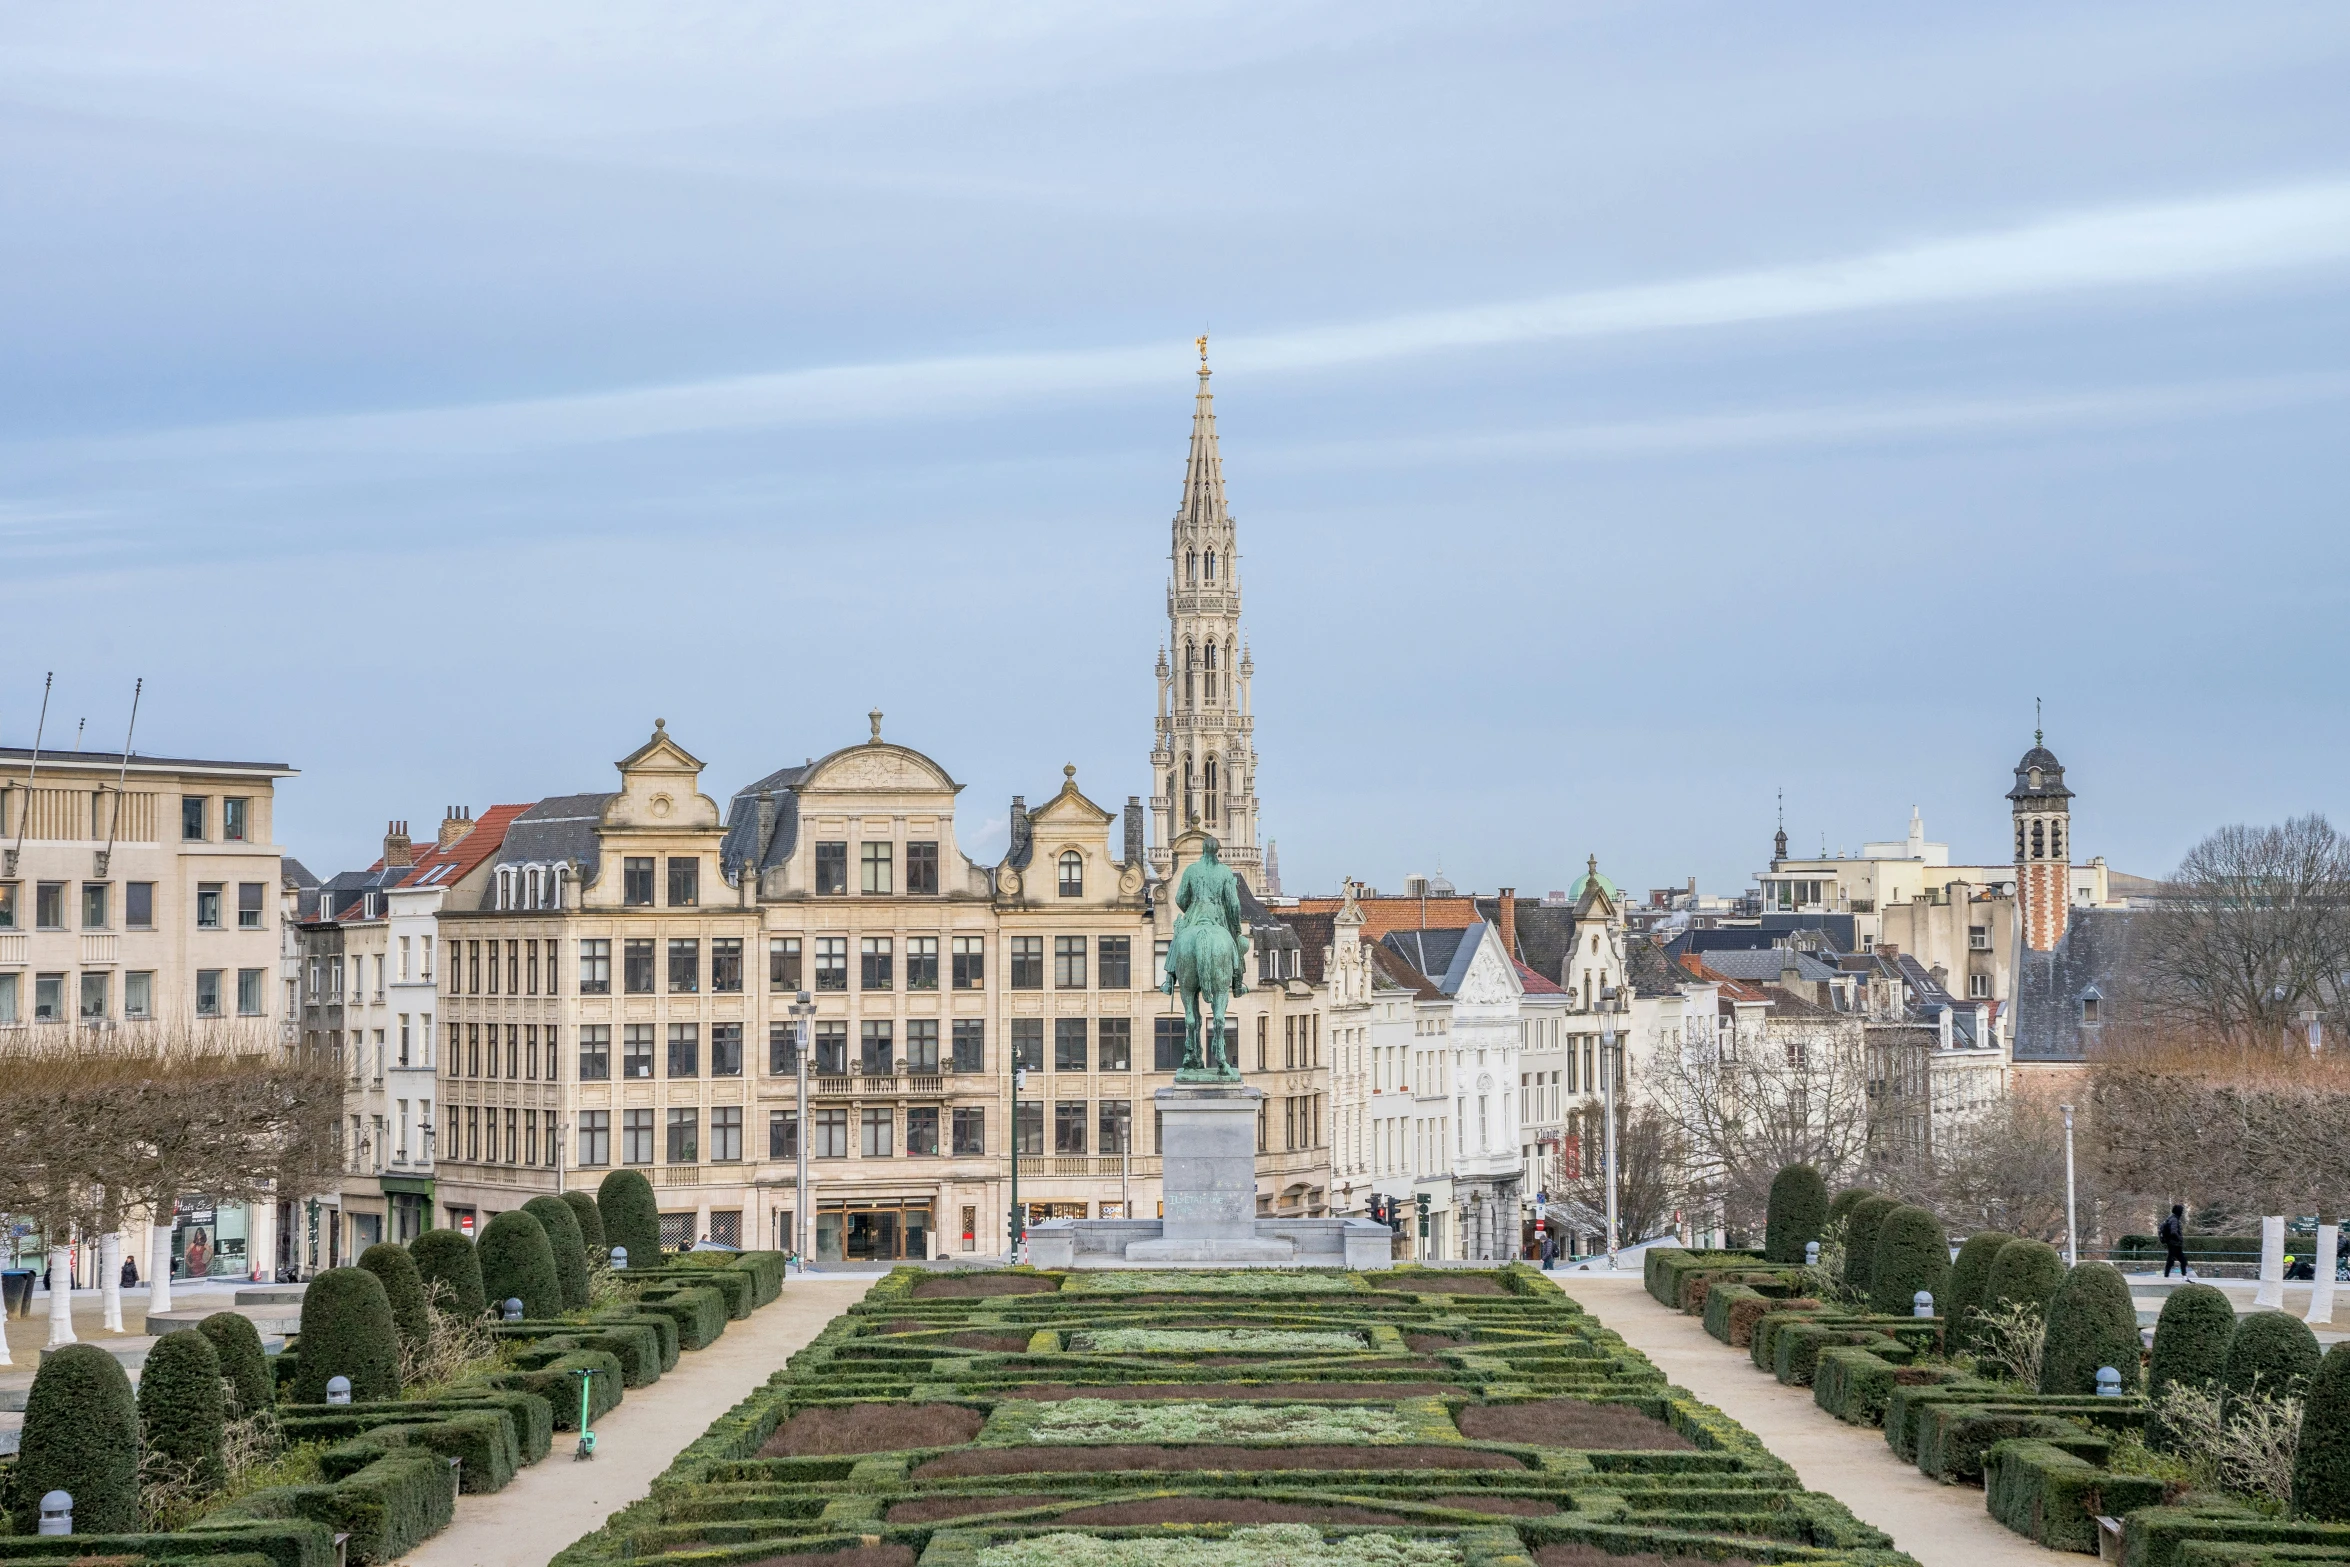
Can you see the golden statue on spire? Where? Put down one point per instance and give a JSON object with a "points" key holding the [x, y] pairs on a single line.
{"points": [[1202, 341]]}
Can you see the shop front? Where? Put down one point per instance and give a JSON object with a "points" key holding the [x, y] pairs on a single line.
{"points": [[408, 1204], [208, 1240], [885, 1229]]}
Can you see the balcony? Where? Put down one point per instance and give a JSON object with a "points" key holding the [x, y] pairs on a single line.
{"points": [[1089, 1165], [15, 950], [100, 951], [680, 1175]]}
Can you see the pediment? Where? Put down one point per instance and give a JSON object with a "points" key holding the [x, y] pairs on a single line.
{"points": [[1489, 982], [877, 768]]}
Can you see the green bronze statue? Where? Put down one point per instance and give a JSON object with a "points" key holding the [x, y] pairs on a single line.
{"points": [[1205, 962]]}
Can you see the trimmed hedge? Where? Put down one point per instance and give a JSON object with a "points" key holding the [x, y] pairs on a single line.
{"points": [[1854, 1382], [2321, 1464], [2163, 1536], [243, 1361], [518, 1263], [1860, 1241], [551, 1378], [632, 1216], [447, 1258], [1798, 1208], [181, 1408], [404, 1288], [81, 1435], [2270, 1353], [568, 1245], [589, 1218], [2024, 1272], [239, 1542], [1970, 1284], [738, 1288], [2191, 1338], [2092, 1323], [529, 1419], [698, 1310], [2054, 1497], [393, 1504], [1912, 1254], [347, 1331]]}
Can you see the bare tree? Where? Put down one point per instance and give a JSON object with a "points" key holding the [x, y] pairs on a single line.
{"points": [[1648, 1162], [2003, 1169], [2253, 930], [2178, 1122]]}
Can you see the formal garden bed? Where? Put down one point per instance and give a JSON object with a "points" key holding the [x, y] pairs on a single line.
{"points": [[1414, 1419], [233, 1457]]}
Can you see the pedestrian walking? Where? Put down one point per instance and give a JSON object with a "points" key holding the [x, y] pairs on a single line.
{"points": [[2174, 1241], [130, 1273]]}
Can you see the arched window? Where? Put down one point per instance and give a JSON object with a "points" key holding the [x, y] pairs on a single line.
{"points": [[534, 893], [1209, 788], [2019, 837], [1072, 874], [2056, 840], [1191, 567], [2039, 841], [562, 875], [1211, 565], [1190, 659], [1210, 691]]}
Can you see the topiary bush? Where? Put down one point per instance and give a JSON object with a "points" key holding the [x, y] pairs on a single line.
{"points": [[2024, 1272], [570, 1248], [518, 1263], [1798, 1209], [1970, 1283], [2191, 1338], [446, 1258], [404, 1288], [591, 1222], [2270, 1353], [244, 1364], [2092, 1323], [2321, 1464], [1860, 1241], [1841, 1209], [81, 1436], [632, 1216], [347, 1331], [181, 1409], [1912, 1254]]}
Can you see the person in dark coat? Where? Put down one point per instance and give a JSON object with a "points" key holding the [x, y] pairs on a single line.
{"points": [[130, 1273], [2174, 1241]]}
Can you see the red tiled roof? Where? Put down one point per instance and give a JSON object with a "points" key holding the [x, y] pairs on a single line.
{"points": [[1381, 915], [465, 855], [1535, 984]]}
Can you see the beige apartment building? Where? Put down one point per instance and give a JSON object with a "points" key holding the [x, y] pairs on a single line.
{"points": [[143, 891]]}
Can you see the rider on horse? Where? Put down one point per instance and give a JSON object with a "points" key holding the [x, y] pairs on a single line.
{"points": [[1206, 959]]}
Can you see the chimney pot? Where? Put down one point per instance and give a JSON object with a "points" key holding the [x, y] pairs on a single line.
{"points": [[398, 852], [455, 825]]}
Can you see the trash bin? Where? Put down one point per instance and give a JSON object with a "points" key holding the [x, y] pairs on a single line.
{"points": [[16, 1291]]}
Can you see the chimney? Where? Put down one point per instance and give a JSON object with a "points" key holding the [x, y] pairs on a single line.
{"points": [[1508, 902], [456, 824], [398, 852], [1134, 829]]}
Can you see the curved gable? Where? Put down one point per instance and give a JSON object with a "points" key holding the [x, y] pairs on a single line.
{"points": [[876, 767]]}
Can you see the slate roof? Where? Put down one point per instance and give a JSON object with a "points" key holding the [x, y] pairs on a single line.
{"points": [[1316, 935], [1389, 965], [2096, 951], [1429, 951], [1837, 930], [1545, 932], [741, 844], [560, 827], [1768, 966]]}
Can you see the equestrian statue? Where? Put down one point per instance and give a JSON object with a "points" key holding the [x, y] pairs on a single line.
{"points": [[1204, 961]]}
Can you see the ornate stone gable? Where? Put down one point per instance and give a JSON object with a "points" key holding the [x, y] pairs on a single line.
{"points": [[1489, 982], [658, 789]]}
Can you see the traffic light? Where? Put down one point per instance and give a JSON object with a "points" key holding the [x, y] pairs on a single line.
{"points": [[1420, 1201]]}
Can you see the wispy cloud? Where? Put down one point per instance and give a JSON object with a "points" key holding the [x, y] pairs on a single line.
{"points": [[2173, 243]]}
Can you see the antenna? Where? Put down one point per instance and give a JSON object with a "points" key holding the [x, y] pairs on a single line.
{"points": [[2036, 730], [121, 779], [34, 772]]}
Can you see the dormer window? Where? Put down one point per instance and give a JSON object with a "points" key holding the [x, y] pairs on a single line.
{"points": [[2035, 777], [1072, 874], [2089, 1002]]}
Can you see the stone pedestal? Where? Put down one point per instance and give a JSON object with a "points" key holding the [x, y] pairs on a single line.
{"points": [[1209, 1143]]}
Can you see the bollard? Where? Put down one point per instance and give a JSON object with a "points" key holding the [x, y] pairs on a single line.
{"points": [[1922, 1304], [2109, 1382], [619, 1259], [512, 1311], [1811, 1254], [338, 1390], [57, 1513]]}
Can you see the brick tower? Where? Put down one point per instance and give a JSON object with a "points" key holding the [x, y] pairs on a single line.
{"points": [[2043, 846]]}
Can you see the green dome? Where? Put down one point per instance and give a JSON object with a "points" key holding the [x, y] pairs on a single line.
{"points": [[1590, 875]]}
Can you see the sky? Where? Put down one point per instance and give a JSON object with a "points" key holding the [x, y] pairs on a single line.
{"points": [[1632, 412]]}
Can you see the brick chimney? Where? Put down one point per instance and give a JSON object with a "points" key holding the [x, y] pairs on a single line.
{"points": [[398, 852], [456, 824], [1508, 903]]}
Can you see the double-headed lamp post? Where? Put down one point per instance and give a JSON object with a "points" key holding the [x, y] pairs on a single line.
{"points": [[1018, 1223], [2072, 1235], [1608, 1072], [803, 1008]]}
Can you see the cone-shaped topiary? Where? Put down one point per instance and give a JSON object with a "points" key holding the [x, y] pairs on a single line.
{"points": [[446, 1260], [2271, 1353], [2024, 1273], [1798, 1208], [1860, 1241], [244, 1364], [517, 1263], [1912, 1254], [181, 1410], [2321, 1464], [632, 1216], [404, 1288], [347, 1331], [591, 1222], [2191, 1339], [1970, 1285], [554, 1214], [1841, 1209], [2091, 1323], [81, 1436]]}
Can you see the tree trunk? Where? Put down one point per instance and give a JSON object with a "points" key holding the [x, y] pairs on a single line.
{"points": [[159, 1267], [60, 1296], [110, 1278], [2321, 1288]]}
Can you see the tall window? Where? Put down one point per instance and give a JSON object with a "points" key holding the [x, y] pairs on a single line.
{"points": [[1028, 1043], [234, 813], [828, 1134], [1028, 963], [921, 962], [1166, 1044], [830, 1046], [726, 1050], [970, 1131], [685, 881], [970, 962], [876, 1132], [922, 1130], [685, 1140], [873, 869], [922, 868], [726, 1134], [874, 963], [249, 894], [1069, 1126], [685, 1050], [138, 905], [832, 962], [207, 994], [207, 905], [1114, 1044], [636, 881], [1028, 1127], [832, 869], [783, 963], [595, 967], [783, 1049], [636, 964], [249, 993], [1068, 962], [595, 1137], [922, 1046], [1072, 874], [726, 965], [94, 905], [1117, 1125], [970, 1045], [191, 818], [595, 1053], [875, 1048], [783, 1134], [685, 966], [636, 1050], [1117, 962], [1068, 1044]]}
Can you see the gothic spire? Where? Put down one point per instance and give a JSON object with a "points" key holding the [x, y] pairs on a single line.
{"points": [[1203, 471]]}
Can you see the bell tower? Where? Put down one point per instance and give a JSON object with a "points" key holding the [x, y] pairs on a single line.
{"points": [[2043, 846], [1203, 755]]}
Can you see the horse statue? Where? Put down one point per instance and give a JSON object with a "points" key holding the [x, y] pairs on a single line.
{"points": [[1205, 962]]}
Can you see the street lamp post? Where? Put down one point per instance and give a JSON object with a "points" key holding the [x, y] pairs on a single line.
{"points": [[555, 1150], [1019, 1220], [802, 1009], [1607, 1082], [2072, 1236]]}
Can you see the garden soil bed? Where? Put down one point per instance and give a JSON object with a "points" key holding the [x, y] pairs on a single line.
{"points": [[979, 1286], [1210, 1392], [1514, 1506], [1430, 1343], [850, 1556], [872, 1428], [937, 1509], [998, 1343], [1593, 1556], [1571, 1422], [1440, 1284], [1219, 1509], [1181, 1460]]}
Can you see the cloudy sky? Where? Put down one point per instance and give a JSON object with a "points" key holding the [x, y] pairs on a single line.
{"points": [[1631, 410]]}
